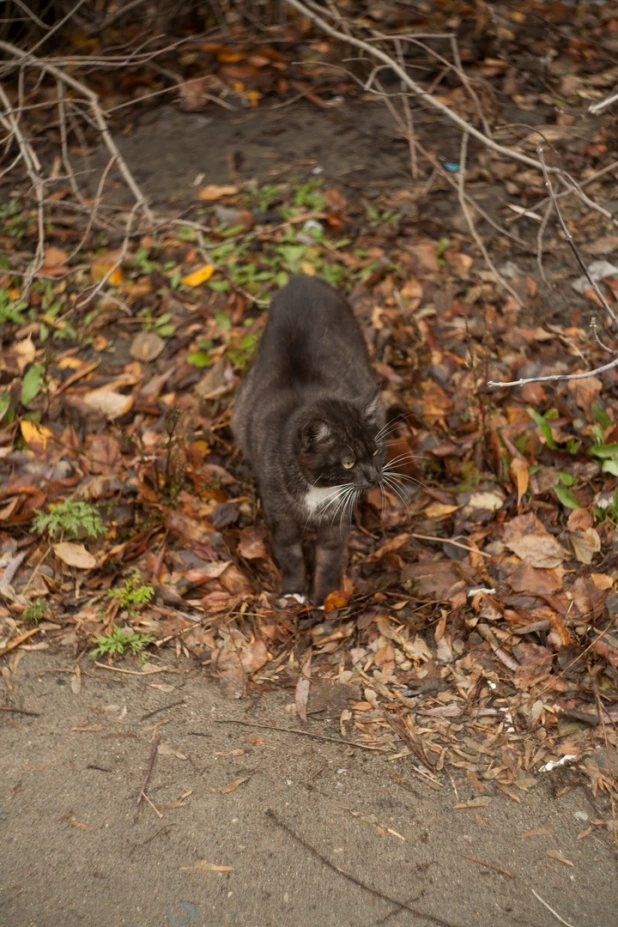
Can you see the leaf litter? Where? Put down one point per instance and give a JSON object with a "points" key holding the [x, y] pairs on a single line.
{"points": [[479, 623]]}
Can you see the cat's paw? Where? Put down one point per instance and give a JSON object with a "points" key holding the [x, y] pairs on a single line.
{"points": [[297, 596]]}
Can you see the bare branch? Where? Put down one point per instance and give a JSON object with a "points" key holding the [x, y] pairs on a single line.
{"points": [[597, 108], [99, 117], [572, 244], [425, 99], [557, 376]]}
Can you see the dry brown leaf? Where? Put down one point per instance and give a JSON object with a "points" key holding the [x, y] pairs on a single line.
{"points": [[585, 545], [214, 192], [535, 582], [146, 346], [232, 786], [556, 854], [74, 555], [542, 550], [251, 545], [520, 476], [108, 403]]}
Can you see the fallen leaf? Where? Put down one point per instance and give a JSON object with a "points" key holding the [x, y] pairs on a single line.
{"points": [[109, 403], [168, 750], [520, 476], [232, 786], [36, 436], [542, 550], [104, 263], [585, 544], [335, 600], [251, 545], [146, 346], [74, 555], [199, 276], [213, 192], [474, 803], [556, 854]]}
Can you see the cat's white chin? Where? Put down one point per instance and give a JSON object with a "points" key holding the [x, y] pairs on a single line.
{"points": [[319, 496]]}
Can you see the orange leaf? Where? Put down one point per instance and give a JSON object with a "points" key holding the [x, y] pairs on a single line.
{"points": [[335, 600], [199, 276], [520, 476]]}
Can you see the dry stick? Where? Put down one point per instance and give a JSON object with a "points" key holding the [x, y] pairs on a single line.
{"points": [[346, 875], [549, 908], [473, 231], [156, 711], [571, 243], [32, 166], [566, 376], [472, 550], [596, 108], [480, 862], [153, 756], [293, 730], [539, 241], [99, 117], [20, 711], [425, 99], [18, 640]]}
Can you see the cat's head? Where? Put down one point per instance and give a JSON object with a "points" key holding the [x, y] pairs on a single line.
{"points": [[338, 442]]}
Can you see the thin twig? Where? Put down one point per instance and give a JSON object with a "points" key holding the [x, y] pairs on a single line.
{"points": [[556, 376], [549, 908], [293, 730], [346, 875], [597, 108], [480, 862], [151, 761], [156, 711], [425, 99], [20, 711], [18, 640], [430, 537], [572, 244], [473, 231], [99, 117]]}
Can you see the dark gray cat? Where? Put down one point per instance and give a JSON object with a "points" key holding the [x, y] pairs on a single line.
{"points": [[308, 418]]}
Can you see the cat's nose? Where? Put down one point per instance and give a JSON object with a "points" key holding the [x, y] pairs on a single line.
{"points": [[370, 475]]}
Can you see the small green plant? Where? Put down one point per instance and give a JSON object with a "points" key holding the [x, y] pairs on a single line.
{"points": [[133, 594], [70, 519], [305, 195], [11, 309], [142, 262], [382, 218], [120, 640], [36, 611], [160, 324], [262, 197]]}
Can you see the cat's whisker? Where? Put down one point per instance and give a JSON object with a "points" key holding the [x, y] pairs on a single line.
{"points": [[406, 456], [402, 476], [392, 485]]}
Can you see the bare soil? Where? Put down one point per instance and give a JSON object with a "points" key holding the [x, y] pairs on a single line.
{"points": [[345, 825]]}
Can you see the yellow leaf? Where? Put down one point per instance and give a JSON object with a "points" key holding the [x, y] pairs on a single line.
{"points": [[199, 276], [228, 57], [35, 435], [440, 510]]}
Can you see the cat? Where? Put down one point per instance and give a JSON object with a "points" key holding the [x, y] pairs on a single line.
{"points": [[308, 418]]}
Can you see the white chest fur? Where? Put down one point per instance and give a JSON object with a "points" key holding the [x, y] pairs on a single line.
{"points": [[319, 498]]}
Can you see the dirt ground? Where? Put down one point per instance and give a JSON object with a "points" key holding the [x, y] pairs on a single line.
{"points": [[317, 833]]}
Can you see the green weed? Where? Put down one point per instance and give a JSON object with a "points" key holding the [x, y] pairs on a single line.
{"points": [[133, 594], [36, 611], [120, 640], [70, 519]]}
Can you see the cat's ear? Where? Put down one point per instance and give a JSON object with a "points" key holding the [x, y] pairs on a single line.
{"points": [[373, 409], [314, 433]]}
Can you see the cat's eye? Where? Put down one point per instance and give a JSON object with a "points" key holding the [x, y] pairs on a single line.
{"points": [[347, 463]]}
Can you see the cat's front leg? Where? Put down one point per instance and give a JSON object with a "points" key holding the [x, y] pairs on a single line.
{"points": [[329, 560], [288, 550]]}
